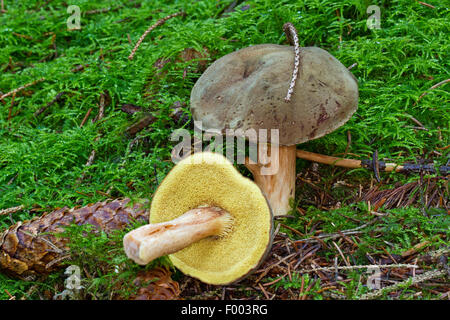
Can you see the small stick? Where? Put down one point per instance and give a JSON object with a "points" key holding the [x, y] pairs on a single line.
{"points": [[291, 34], [427, 5], [11, 297], [97, 11], [408, 282], [2, 9], [341, 254], [11, 210], [11, 106], [352, 66], [431, 88], [21, 88], [355, 164], [158, 23], [56, 99], [320, 158], [415, 249], [85, 117], [274, 281], [264, 291], [370, 266], [101, 110], [80, 67], [24, 36]]}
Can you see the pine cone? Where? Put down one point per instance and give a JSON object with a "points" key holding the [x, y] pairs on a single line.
{"points": [[155, 284], [25, 250]]}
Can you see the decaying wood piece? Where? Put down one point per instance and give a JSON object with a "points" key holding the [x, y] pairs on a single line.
{"points": [[32, 248]]}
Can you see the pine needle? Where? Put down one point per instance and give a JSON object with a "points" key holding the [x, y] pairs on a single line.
{"points": [[291, 34], [158, 23]]}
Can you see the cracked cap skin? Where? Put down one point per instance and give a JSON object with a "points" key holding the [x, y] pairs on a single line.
{"points": [[246, 89]]}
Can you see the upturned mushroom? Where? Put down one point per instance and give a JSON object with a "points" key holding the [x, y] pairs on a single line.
{"points": [[246, 89], [213, 223]]}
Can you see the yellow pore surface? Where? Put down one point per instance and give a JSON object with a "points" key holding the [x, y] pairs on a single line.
{"points": [[210, 179]]}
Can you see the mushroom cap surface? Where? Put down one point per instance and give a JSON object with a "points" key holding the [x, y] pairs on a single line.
{"points": [[246, 89], [209, 179]]}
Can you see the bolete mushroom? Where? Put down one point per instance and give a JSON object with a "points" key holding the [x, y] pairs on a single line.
{"points": [[246, 89], [214, 224]]}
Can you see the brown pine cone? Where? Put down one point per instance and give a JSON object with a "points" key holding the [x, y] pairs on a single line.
{"points": [[30, 247], [155, 284]]}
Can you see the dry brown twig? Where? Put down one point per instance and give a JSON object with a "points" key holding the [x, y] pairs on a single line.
{"points": [[408, 282], [101, 112], [370, 266], [352, 66], [291, 34], [11, 297], [21, 88], [427, 5], [11, 210], [57, 98], [158, 23], [431, 88]]}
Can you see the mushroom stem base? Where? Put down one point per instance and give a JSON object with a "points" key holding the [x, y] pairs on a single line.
{"points": [[152, 241], [279, 188]]}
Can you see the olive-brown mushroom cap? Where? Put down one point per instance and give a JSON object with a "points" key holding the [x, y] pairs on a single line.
{"points": [[246, 90], [209, 179]]}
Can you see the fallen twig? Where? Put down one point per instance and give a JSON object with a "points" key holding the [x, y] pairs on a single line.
{"points": [[11, 210], [101, 111], [431, 88], [408, 282], [158, 23], [21, 88], [103, 10], [370, 266], [427, 5], [370, 163], [291, 34], [352, 66], [11, 107], [80, 67], [56, 99], [328, 235], [415, 249], [85, 117], [11, 297]]}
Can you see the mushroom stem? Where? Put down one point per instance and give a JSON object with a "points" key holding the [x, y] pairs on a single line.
{"points": [[152, 241], [279, 188]]}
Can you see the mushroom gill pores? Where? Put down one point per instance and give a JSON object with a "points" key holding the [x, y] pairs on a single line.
{"points": [[246, 89], [213, 223]]}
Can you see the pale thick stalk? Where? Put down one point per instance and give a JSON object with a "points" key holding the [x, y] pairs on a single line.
{"points": [[152, 241], [279, 187]]}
